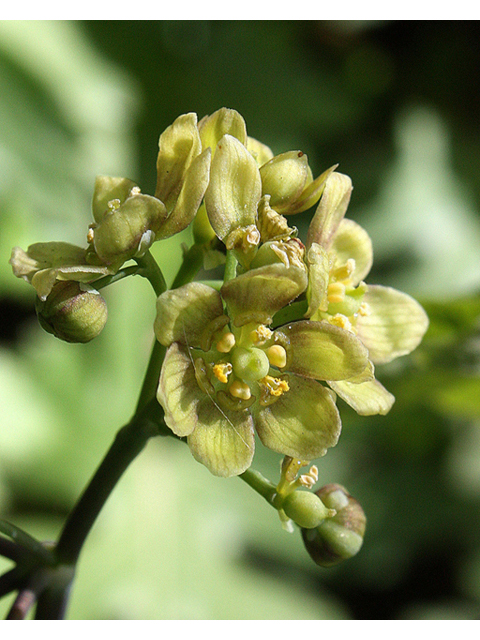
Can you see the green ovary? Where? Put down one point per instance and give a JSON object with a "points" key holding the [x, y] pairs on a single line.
{"points": [[249, 365]]}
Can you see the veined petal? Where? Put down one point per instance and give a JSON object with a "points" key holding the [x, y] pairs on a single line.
{"points": [[322, 351], [235, 188], [352, 241], [212, 128], [303, 423], [394, 326], [178, 391], [179, 144], [367, 398], [184, 313], [222, 440], [189, 198], [255, 296], [318, 276], [107, 189], [330, 211]]}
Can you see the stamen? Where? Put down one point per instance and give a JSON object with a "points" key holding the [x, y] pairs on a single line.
{"points": [[222, 370], [344, 273], [271, 389], [239, 389], [226, 343], [339, 320], [113, 204], [277, 356], [365, 309], [260, 335], [336, 292]]}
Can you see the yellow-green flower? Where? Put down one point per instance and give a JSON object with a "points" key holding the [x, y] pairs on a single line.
{"points": [[128, 222], [388, 322], [226, 372], [45, 263]]}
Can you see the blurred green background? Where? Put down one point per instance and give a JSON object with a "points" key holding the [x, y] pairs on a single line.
{"points": [[396, 105]]}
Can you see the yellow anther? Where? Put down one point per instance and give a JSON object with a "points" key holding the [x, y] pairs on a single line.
{"points": [[272, 388], [365, 309], [222, 370], [339, 320], [239, 389], [135, 191], [260, 335], [226, 343], [336, 292], [277, 356], [90, 235], [344, 273]]}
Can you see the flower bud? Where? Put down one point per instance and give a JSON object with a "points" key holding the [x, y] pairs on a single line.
{"points": [[306, 509], [340, 537], [284, 177], [72, 312]]}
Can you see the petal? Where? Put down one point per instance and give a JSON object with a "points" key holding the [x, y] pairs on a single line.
{"points": [[302, 423], [235, 188], [260, 151], [107, 189], [367, 398], [352, 241], [189, 198], [318, 276], [45, 262], [322, 351], [178, 391], [395, 325], [283, 178], [330, 211], [213, 128], [255, 296], [311, 193], [222, 440], [184, 313], [179, 144]]}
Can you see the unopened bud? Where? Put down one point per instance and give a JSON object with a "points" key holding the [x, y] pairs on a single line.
{"points": [[340, 537], [72, 312], [306, 509]]}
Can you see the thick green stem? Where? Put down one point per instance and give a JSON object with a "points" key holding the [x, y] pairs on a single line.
{"points": [[260, 484], [152, 272]]}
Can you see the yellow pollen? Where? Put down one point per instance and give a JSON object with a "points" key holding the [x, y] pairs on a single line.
{"points": [[339, 320], [226, 343], [222, 370], [336, 292], [90, 235], [276, 386], [277, 356], [261, 334], [239, 389]]}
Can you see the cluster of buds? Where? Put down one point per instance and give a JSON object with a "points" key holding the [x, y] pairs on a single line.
{"points": [[292, 326]]}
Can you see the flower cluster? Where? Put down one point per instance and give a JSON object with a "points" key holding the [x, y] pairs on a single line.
{"points": [[292, 326], [229, 367]]}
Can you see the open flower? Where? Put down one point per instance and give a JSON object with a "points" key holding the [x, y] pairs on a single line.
{"points": [[226, 373], [388, 322]]}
